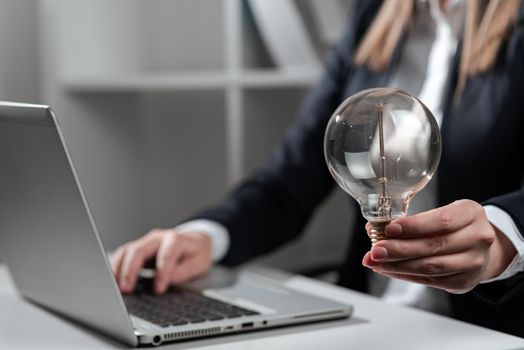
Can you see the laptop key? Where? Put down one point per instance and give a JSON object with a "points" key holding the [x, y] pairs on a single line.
{"points": [[178, 307], [214, 317], [196, 319]]}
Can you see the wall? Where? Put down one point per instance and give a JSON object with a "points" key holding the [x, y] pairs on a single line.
{"points": [[19, 79], [19, 69]]}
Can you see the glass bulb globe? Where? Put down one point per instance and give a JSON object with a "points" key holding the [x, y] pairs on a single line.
{"points": [[382, 146]]}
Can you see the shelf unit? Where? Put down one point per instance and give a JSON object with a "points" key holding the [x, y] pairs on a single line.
{"points": [[164, 113], [197, 80]]}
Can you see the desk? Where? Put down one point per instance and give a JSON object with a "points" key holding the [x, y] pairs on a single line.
{"points": [[375, 325]]}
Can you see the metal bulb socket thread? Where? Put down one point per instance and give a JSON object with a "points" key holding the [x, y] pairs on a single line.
{"points": [[377, 232]]}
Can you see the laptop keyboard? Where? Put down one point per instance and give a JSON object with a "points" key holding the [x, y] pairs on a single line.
{"points": [[179, 306]]}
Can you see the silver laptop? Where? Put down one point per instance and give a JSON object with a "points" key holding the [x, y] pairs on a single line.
{"points": [[50, 243]]}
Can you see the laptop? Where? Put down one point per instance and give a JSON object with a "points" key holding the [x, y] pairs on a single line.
{"points": [[49, 240]]}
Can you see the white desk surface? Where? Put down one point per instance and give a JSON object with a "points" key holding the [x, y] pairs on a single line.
{"points": [[375, 325]]}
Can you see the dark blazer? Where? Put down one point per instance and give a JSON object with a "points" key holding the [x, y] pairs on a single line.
{"points": [[482, 160]]}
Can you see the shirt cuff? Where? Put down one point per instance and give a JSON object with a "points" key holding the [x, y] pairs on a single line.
{"points": [[501, 220], [217, 232]]}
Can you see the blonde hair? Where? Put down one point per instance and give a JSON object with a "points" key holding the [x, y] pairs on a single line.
{"points": [[487, 24]]}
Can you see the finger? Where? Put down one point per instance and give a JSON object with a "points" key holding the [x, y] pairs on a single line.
{"points": [[366, 260], [116, 261], [452, 284], [190, 266], [426, 280], [169, 252], [136, 254], [432, 266], [415, 248], [441, 220]]}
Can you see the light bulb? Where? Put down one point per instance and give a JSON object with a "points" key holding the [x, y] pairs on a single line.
{"points": [[382, 146]]}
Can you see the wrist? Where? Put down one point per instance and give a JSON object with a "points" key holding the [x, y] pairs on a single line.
{"points": [[501, 254], [200, 236], [216, 232]]}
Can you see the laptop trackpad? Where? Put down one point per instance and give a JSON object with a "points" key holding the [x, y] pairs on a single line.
{"points": [[262, 294]]}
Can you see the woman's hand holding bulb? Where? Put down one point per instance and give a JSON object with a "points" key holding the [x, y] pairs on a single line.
{"points": [[453, 248]]}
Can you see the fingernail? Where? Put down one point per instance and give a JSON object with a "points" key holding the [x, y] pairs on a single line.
{"points": [[393, 230], [379, 253], [366, 260]]}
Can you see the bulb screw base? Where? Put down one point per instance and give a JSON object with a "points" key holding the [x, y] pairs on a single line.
{"points": [[377, 232]]}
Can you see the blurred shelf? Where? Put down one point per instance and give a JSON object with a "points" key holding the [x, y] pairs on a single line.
{"points": [[275, 78], [146, 81], [192, 80]]}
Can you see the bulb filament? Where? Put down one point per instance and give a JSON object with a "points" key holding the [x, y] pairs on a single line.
{"points": [[384, 201]]}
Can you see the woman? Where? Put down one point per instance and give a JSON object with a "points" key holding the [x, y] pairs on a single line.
{"points": [[470, 248]]}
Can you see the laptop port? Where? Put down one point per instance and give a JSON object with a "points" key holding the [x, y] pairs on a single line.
{"points": [[247, 324], [157, 340]]}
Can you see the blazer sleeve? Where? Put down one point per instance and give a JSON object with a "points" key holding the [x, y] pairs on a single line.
{"points": [[273, 206], [510, 289]]}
